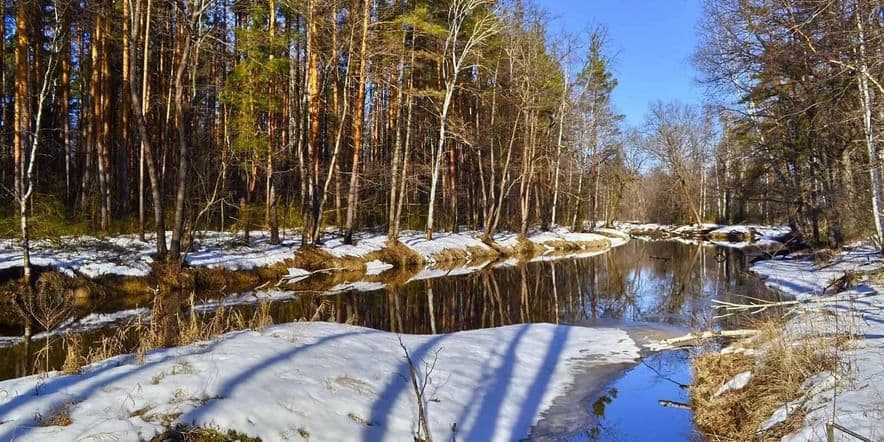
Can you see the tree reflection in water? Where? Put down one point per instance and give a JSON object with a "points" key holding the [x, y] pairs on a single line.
{"points": [[645, 281]]}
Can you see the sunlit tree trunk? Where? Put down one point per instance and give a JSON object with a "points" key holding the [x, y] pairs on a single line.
{"points": [[358, 116]]}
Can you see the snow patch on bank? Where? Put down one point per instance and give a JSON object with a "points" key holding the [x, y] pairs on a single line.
{"points": [[126, 255], [228, 251], [857, 395], [333, 381], [90, 256]]}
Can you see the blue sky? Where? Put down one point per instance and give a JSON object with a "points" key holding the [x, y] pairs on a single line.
{"points": [[651, 40]]}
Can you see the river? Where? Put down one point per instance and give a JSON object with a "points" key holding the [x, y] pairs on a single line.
{"points": [[649, 288]]}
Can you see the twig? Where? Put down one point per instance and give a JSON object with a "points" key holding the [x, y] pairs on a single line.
{"points": [[673, 404]]}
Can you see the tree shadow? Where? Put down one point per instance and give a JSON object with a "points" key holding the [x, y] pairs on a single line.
{"points": [[64, 382], [383, 405], [485, 426], [486, 404], [228, 388]]}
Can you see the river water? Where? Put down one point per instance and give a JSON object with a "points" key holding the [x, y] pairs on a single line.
{"points": [[659, 288]]}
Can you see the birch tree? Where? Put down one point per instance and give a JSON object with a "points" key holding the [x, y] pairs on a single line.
{"points": [[457, 52]]}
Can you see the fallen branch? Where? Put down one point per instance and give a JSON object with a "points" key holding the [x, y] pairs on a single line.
{"points": [[745, 333], [673, 404], [759, 306]]}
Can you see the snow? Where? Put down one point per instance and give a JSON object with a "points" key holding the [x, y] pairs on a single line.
{"points": [[364, 244], [857, 393], [762, 232], [126, 255], [376, 267], [694, 228], [333, 381], [765, 237], [736, 383], [295, 274], [92, 257], [357, 286], [226, 250], [431, 249]]}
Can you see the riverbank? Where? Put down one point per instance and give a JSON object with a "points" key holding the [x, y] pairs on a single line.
{"points": [[735, 236], [127, 256], [628, 283], [317, 381], [118, 274], [820, 364]]}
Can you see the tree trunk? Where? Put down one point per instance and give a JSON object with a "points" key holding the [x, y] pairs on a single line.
{"points": [[869, 134], [437, 156], [313, 148], [181, 109], [139, 107], [22, 117], [358, 115]]}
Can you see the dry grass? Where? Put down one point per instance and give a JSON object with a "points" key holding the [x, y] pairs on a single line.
{"points": [[164, 328], [314, 258], [527, 249], [397, 254], [60, 416], [196, 434], [74, 358], [784, 363]]}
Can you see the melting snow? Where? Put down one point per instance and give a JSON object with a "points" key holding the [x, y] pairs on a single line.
{"points": [[333, 381]]}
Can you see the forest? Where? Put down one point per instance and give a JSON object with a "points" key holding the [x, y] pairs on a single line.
{"points": [[378, 178], [148, 116]]}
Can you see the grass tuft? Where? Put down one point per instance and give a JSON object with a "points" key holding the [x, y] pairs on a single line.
{"points": [[783, 364]]}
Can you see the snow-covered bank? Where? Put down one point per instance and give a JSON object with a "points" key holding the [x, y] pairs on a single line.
{"points": [[288, 286], [126, 255], [854, 393], [735, 236], [328, 381]]}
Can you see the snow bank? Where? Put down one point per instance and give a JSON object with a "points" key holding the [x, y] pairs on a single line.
{"points": [[125, 255], [802, 278], [228, 251], [331, 381], [430, 250], [547, 239], [365, 244], [857, 395], [758, 231], [92, 257]]}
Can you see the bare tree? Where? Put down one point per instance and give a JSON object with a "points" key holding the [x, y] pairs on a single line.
{"points": [[27, 185], [455, 59], [675, 136]]}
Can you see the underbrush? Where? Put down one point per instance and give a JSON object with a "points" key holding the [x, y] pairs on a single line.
{"points": [[780, 362], [196, 434], [169, 324]]}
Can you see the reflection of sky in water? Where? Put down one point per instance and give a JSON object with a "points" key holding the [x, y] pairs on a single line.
{"points": [[656, 282], [629, 409]]}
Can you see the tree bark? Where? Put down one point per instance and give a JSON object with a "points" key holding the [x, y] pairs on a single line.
{"points": [[139, 108], [358, 116]]}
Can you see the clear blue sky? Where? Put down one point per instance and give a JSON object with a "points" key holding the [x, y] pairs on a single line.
{"points": [[651, 40]]}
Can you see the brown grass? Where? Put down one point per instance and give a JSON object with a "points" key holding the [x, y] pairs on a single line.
{"points": [[527, 249], [314, 258], [397, 254], [195, 434], [60, 416], [74, 358], [778, 375]]}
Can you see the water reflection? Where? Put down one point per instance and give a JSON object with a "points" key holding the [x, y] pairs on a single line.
{"points": [[642, 281], [630, 411]]}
